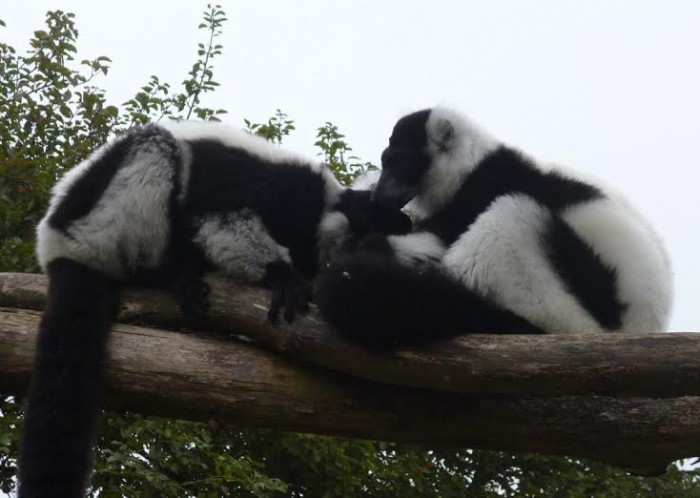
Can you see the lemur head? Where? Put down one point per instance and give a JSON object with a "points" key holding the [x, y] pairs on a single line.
{"points": [[430, 153], [354, 216]]}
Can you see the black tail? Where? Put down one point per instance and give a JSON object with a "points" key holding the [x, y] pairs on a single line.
{"points": [[61, 418], [374, 301]]}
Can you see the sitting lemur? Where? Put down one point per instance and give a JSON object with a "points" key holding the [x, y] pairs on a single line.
{"points": [[502, 244]]}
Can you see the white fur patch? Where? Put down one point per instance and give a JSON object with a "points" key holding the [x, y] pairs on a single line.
{"points": [[332, 189], [367, 180], [129, 226], [185, 170], [623, 241], [333, 232], [453, 158], [239, 244], [417, 249], [501, 257]]}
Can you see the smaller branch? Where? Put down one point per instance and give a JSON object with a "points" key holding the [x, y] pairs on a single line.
{"points": [[195, 96]]}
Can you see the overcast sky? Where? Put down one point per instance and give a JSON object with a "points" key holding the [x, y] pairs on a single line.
{"points": [[608, 87]]}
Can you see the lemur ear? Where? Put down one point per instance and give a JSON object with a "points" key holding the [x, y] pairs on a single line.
{"points": [[444, 133]]}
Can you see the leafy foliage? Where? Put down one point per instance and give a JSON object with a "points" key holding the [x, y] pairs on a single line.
{"points": [[276, 128], [53, 115], [140, 456], [155, 101], [334, 150]]}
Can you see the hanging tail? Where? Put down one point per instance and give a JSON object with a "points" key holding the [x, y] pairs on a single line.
{"points": [[60, 424], [377, 302]]}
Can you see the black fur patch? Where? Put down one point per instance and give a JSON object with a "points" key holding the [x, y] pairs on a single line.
{"points": [[374, 301], [589, 279], [504, 171], [410, 130], [55, 453], [289, 198], [404, 162], [88, 189], [366, 217]]}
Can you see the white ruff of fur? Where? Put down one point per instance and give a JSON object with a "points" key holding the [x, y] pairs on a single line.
{"points": [[254, 145], [452, 159]]}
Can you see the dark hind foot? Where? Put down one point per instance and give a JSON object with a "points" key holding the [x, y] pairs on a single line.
{"points": [[288, 292], [304, 295], [192, 294]]}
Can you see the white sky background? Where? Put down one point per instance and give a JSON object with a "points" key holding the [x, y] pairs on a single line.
{"points": [[608, 87]]}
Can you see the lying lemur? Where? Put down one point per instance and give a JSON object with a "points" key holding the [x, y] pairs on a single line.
{"points": [[503, 244], [158, 206]]}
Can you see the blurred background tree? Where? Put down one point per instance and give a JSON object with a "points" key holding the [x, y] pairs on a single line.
{"points": [[52, 114]]}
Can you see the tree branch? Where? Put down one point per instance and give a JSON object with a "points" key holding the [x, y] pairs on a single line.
{"points": [[194, 377], [623, 365]]}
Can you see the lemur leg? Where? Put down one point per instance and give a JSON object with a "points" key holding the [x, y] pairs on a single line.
{"points": [[239, 245], [503, 257], [287, 289], [184, 279]]}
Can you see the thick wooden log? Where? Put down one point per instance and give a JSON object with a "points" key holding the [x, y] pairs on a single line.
{"points": [[188, 376], [621, 365]]}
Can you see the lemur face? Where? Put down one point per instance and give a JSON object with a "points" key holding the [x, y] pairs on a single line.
{"points": [[367, 217], [404, 162]]}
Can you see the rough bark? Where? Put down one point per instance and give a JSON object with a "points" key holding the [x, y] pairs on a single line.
{"points": [[620, 365], [189, 376]]}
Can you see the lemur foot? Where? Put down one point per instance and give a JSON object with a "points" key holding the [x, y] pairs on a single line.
{"points": [[192, 295], [287, 292]]}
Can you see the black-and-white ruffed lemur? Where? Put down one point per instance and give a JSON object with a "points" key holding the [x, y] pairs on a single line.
{"points": [[502, 244], [158, 206]]}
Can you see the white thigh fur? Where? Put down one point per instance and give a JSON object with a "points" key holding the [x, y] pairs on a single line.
{"points": [[501, 257], [627, 243], [239, 244], [128, 228]]}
